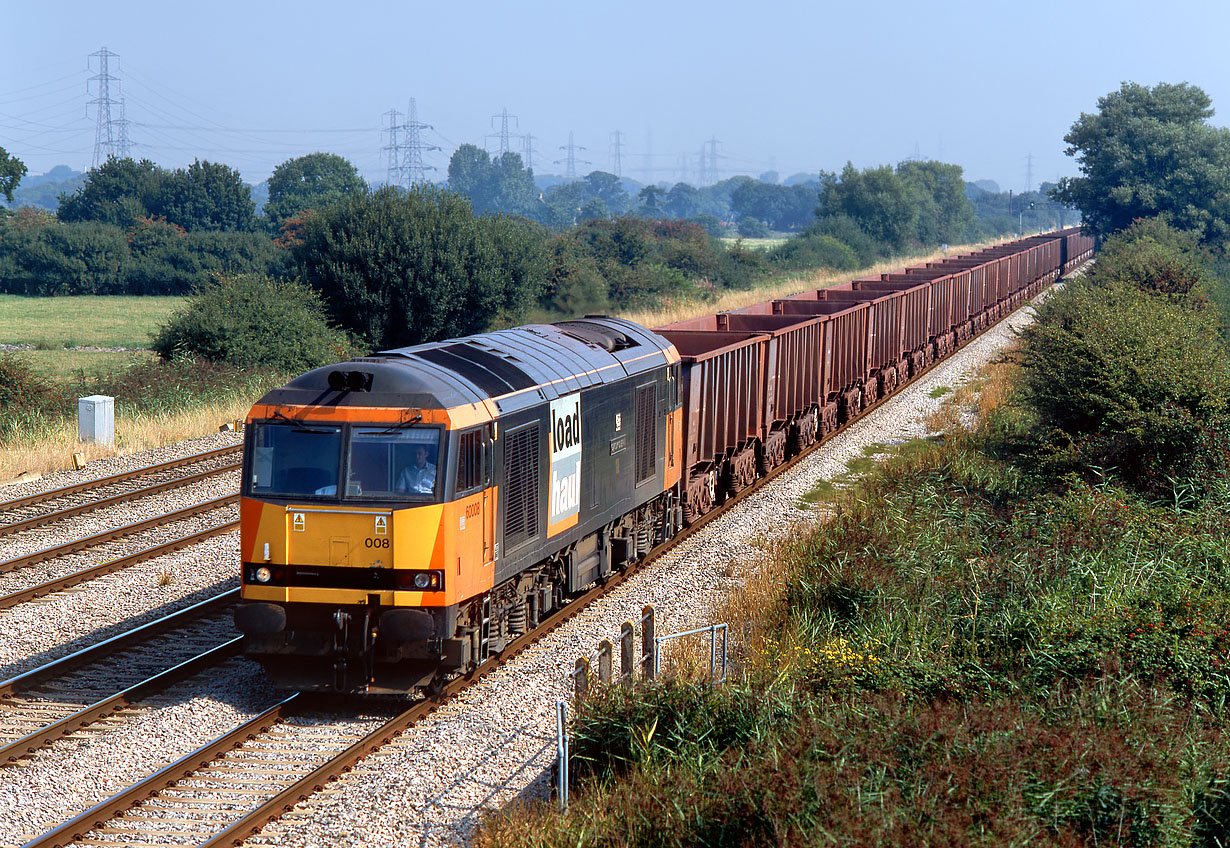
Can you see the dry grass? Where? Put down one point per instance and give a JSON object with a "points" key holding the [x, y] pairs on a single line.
{"points": [[976, 399], [682, 311], [45, 452]]}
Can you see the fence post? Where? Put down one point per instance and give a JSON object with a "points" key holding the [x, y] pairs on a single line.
{"points": [[712, 653], [580, 678], [561, 751], [626, 659], [649, 655], [605, 650]]}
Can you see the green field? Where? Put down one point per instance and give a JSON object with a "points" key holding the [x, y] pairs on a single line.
{"points": [[85, 321], [767, 243], [70, 365]]}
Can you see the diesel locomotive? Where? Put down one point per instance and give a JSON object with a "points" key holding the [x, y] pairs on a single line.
{"points": [[404, 515]]}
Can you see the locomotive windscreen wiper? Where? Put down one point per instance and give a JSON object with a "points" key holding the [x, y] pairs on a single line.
{"points": [[302, 428], [401, 425]]}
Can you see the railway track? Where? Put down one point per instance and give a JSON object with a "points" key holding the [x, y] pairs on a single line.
{"points": [[278, 758], [43, 508], [103, 681], [192, 800], [231, 787]]}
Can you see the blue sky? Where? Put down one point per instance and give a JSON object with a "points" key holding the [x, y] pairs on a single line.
{"points": [[791, 87]]}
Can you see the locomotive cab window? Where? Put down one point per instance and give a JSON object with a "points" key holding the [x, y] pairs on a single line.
{"points": [[392, 463], [290, 460]]}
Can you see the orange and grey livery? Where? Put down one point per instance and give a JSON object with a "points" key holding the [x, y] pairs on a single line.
{"points": [[406, 514]]}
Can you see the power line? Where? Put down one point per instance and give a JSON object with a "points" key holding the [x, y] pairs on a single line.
{"points": [[412, 164], [505, 135], [616, 151], [110, 135], [571, 160]]}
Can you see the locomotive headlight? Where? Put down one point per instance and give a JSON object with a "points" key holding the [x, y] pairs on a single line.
{"points": [[263, 574], [422, 580]]}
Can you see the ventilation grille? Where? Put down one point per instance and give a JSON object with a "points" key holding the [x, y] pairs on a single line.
{"points": [[646, 444], [493, 374], [521, 492]]}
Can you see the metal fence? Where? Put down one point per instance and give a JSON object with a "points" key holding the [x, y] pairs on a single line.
{"points": [[649, 667]]}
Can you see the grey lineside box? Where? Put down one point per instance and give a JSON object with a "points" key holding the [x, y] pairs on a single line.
{"points": [[96, 419]]}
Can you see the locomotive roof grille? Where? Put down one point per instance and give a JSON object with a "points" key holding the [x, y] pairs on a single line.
{"points": [[491, 373]]}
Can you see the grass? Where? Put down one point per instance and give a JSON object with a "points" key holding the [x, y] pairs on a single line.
{"points": [[938, 392], [156, 403], [966, 654], [90, 321], [828, 491], [44, 446], [67, 366], [766, 243]]}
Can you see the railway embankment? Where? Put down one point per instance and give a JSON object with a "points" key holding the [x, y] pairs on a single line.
{"points": [[1015, 634], [494, 744]]}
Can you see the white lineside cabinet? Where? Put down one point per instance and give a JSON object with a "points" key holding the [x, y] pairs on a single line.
{"points": [[96, 419]]}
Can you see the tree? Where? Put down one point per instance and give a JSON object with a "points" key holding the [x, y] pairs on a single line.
{"points": [[207, 197], [649, 197], [119, 191], [683, 201], [1151, 152], [308, 182], [492, 185], [945, 214], [398, 268], [878, 200], [12, 170], [607, 188]]}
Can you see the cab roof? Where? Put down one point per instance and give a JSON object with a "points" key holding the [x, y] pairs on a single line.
{"points": [[514, 368]]}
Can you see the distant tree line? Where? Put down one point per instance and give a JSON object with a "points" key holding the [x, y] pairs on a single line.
{"points": [[392, 267]]}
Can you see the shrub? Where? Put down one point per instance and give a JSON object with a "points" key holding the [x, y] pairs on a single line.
{"points": [[815, 251], [21, 390], [750, 227], [1155, 257], [1132, 381], [254, 322], [847, 231], [711, 224]]}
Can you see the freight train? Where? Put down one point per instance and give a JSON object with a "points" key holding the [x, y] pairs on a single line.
{"points": [[405, 515]]}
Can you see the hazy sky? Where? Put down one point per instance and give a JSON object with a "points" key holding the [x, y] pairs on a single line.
{"points": [[788, 87]]}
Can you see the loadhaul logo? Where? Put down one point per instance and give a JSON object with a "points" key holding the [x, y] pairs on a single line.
{"points": [[565, 503]]}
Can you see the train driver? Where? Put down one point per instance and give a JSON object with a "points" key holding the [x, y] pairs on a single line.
{"points": [[420, 476]]}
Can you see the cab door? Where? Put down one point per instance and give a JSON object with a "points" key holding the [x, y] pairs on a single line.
{"points": [[489, 497], [474, 510]]}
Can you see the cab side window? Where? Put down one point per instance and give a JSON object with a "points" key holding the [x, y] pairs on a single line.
{"points": [[470, 461]]}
